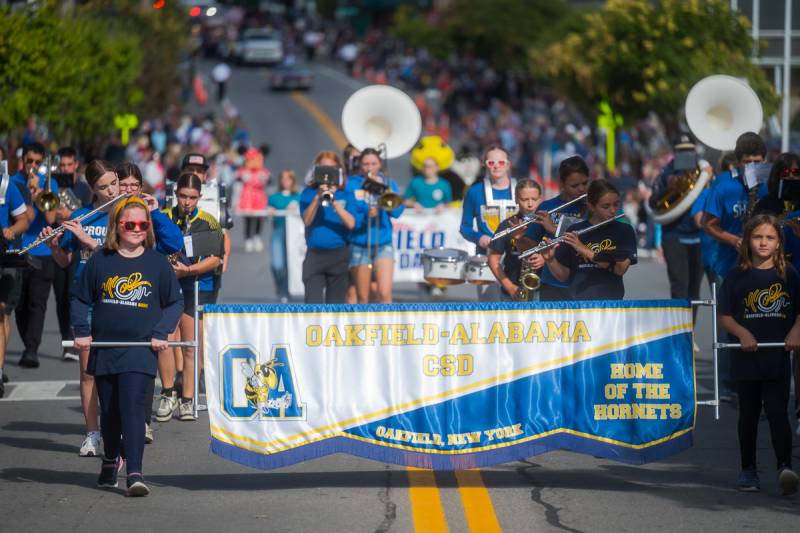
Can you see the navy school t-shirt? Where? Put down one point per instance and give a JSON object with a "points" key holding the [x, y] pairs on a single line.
{"points": [[536, 232], [588, 280], [508, 247], [129, 296], [766, 305]]}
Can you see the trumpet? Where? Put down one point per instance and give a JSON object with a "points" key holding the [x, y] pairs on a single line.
{"points": [[60, 229], [387, 199], [529, 219], [326, 198], [544, 245]]}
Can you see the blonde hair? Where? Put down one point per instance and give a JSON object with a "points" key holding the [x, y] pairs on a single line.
{"points": [[112, 236], [746, 253]]}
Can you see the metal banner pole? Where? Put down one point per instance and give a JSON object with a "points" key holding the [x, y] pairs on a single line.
{"points": [[196, 346], [715, 348], [127, 344]]}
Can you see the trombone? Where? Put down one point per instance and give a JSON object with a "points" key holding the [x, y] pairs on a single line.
{"points": [[60, 229], [529, 219], [544, 245], [387, 200], [47, 199]]}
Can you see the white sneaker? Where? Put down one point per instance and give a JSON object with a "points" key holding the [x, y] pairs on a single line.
{"points": [[91, 445], [69, 355], [249, 245], [148, 434], [186, 411], [167, 407], [258, 244]]}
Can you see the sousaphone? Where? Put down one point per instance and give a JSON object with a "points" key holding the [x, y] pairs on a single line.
{"points": [[718, 110]]}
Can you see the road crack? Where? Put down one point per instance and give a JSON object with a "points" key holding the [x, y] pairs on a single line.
{"points": [[389, 507], [550, 510]]}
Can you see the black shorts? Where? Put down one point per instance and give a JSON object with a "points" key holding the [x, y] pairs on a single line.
{"points": [[10, 288], [203, 298]]}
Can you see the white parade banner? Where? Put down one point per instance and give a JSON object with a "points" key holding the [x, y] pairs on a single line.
{"points": [[413, 232]]}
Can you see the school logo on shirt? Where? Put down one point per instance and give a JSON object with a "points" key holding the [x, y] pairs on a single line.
{"points": [[265, 390], [767, 302], [127, 290], [606, 245]]}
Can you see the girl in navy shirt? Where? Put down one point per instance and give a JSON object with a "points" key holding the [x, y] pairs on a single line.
{"points": [[134, 296], [593, 263], [191, 220], [759, 302]]}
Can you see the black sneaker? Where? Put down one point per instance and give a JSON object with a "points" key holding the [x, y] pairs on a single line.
{"points": [[29, 360], [788, 480], [748, 480], [2, 389], [108, 473], [5, 380], [136, 486]]}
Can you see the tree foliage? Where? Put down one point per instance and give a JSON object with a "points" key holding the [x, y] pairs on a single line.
{"points": [[642, 56], [73, 74], [500, 31]]}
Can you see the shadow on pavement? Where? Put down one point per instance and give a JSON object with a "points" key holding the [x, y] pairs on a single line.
{"points": [[37, 444], [59, 428]]}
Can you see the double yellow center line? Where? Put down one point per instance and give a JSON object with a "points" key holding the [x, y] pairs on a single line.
{"points": [[426, 502]]}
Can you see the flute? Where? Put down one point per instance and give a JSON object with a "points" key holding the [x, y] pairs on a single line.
{"points": [[547, 244], [527, 220]]}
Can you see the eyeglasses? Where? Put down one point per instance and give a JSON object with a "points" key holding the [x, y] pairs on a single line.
{"points": [[31, 161], [500, 163], [794, 172], [130, 186], [135, 226]]}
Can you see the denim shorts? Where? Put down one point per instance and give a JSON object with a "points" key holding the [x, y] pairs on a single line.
{"points": [[359, 254]]}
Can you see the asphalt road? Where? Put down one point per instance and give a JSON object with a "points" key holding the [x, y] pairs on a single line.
{"points": [[45, 486]]}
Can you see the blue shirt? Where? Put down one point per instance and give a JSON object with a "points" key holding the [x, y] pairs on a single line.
{"points": [[707, 243], [429, 195], [728, 201], [471, 213], [537, 231], [683, 229], [13, 207], [281, 200], [382, 228], [327, 231], [38, 222]]}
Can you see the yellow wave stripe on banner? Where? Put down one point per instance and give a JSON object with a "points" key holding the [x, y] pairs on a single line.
{"points": [[493, 312], [388, 411]]}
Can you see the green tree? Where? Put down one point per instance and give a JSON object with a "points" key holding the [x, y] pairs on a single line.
{"points": [[72, 73], [642, 56], [500, 31]]}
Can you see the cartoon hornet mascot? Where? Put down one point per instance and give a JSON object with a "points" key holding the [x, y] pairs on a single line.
{"points": [[262, 379]]}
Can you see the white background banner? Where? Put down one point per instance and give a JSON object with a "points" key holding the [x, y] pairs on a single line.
{"points": [[413, 233]]}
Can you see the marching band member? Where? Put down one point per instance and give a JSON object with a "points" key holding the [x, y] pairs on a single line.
{"points": [[681, 238], [487, 203], [371, 245], [62, 281], [198, 165], [759, 303], [14, 222], [328, 223], [80, 240], [728, 202], [573, 174], [127, 270], [593, 264], [36, 282], [191, 220], [529, 195], [286, 198]]}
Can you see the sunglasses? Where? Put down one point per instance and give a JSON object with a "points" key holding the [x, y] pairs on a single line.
{"points": [[30, 161], [794, 172], [135, 226], [500, 163]]}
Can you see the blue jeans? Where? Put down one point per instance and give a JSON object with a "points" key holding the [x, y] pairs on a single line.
{"points": [[280, 272]]}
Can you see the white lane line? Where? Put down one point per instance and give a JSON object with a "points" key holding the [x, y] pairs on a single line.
{"points": [[21, 391], [339, 76]]}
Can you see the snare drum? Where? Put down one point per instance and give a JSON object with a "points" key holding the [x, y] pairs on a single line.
{"points": [[444, 266], [477, 271]]}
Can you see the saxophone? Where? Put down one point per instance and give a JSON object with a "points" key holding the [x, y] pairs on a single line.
{"points": [[528, 281]]}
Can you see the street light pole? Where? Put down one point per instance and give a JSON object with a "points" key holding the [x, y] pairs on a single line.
{"points": [[787, 76]]}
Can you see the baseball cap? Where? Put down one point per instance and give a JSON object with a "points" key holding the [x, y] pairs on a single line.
{"points": [[195, 160]]}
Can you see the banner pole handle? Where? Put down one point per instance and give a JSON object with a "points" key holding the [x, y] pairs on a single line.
{"points": [[715, 348], [196, 376]]}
